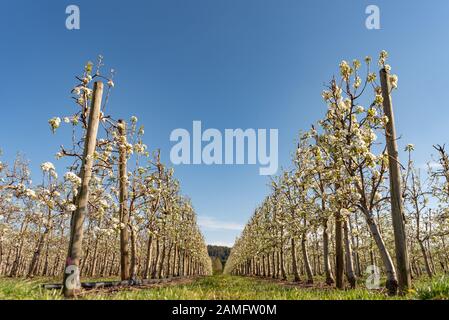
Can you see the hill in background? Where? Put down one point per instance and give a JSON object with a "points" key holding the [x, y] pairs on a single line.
{"points": [[219, 256]]}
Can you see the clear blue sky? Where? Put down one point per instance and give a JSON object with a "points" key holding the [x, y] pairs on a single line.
{"points": [[230, 64]]}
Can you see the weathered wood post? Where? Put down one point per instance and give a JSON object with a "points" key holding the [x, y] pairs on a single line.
{"points": [[71, 283], [402, 260], [339, 253], [124, 216]]}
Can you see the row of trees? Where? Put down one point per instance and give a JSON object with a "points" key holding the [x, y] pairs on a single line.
{"points": [[117, 209], [347, 206]]}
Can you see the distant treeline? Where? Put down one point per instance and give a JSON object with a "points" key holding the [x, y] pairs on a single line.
{"points": [[219, 252]]}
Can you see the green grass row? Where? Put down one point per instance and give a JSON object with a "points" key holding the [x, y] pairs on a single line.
{"points": [[221, 287]]}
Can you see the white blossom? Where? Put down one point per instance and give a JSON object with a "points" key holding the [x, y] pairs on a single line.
{"points": [[71, 207], [47, 167], [73, 178], [54, 123]]}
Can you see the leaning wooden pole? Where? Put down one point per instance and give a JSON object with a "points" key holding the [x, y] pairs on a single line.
{"points": [[72, 283], [397, 212], [124, 215]]}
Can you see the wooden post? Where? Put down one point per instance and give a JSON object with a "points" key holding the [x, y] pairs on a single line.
{"points": [[72, 284], [124, 217], [326, 261], [397, 212], [339, 254]]}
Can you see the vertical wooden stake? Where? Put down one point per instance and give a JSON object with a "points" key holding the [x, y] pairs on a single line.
{"points": [[72, 284], [124, 217], [397, 212], [339, 252]]}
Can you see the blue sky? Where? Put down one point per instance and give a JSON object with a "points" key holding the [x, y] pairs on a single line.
{"points": [[230, 64]]}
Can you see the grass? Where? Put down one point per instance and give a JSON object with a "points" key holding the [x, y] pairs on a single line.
{"points": [[436, 289], [223, 287], [23, 289]]}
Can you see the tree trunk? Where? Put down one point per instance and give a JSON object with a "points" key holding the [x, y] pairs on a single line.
{"points": [[167, 268], [37, 254], [305, 257], [156, 260], [283, 273], [111, 270], [349, 258], [124, 215], [355, 247], [294, 262], [161, 262], [105, 262], [392, 282], [93, 270], [426, 259], [149, 254], [278, 260], [264, 274], [134, 259], [326, 259], [268, 265], [47, 249]]}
